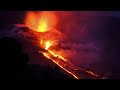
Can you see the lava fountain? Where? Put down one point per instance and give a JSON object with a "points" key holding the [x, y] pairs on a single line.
{"points": [[44, 23], [40, 22]]}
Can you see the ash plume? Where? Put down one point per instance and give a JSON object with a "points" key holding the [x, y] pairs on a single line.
{"points": [[83, 47]]}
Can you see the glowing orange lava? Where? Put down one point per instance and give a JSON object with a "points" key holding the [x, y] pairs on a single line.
{"points": [[48, 44], [60, 65], [41, 22]]}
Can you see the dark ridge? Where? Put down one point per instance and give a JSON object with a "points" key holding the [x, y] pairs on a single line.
{"points": [[14, 64], [9, 18]]}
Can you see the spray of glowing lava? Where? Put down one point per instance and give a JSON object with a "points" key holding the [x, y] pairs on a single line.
{"points": [[44, 23], [48, 44], [41, 22]]}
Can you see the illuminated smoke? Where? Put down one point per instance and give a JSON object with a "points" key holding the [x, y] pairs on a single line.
{"points": [[78, 53]]}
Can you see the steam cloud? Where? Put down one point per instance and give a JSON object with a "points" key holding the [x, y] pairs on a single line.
{"points": [[83, 48]]}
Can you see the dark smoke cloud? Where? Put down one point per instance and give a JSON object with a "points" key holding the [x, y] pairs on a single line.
{"points": [[81, 54], [86, 40]]}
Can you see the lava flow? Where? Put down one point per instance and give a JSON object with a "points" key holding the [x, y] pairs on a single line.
{"points": [[44, 23]]}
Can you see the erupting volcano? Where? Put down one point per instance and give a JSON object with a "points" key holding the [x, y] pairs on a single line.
{"points": [[49, 38]]}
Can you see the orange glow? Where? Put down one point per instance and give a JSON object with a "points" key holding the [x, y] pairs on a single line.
{"points": [[60, 65], [40, 21], [45, 23], [60, 62], [30, 20], [55, 55], [48, 44]]}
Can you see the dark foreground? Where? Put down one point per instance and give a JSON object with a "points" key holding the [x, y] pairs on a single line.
{"points": [[14, 64]]}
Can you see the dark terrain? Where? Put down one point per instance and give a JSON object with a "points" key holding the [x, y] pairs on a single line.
{"points": [[14, 64]]}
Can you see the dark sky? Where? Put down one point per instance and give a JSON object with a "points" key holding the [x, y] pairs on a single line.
{"points": [[8, 18], [107, 13]]}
